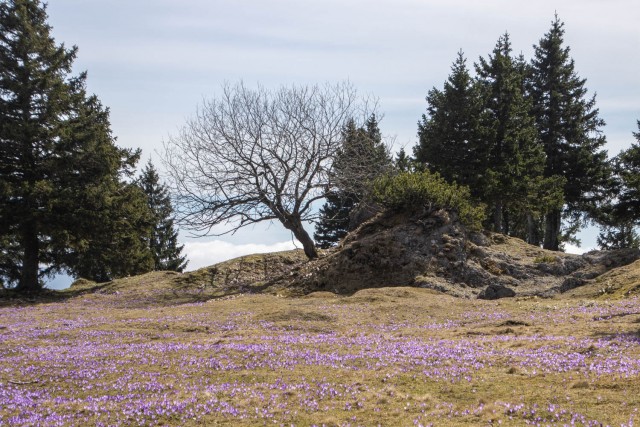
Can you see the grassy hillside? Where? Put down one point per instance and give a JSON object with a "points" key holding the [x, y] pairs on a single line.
{"points": [[206, 348]]}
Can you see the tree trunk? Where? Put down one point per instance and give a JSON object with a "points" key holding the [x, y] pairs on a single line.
{"points": [[532, 230], [30, 262], [498, 218], [295, 225], [307, 244], [552, 230]]}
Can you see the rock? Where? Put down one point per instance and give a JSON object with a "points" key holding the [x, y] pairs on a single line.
{"points": [[405, 248], [479, 239], [496, 292]]}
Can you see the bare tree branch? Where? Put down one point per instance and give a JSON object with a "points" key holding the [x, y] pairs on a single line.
{"points": [[258, 155]]}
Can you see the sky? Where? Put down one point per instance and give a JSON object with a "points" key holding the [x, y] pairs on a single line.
{"points": [[153, 62]]}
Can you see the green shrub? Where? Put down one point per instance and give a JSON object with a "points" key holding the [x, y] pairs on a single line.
{"points": [[545, 259], [424, 189]]}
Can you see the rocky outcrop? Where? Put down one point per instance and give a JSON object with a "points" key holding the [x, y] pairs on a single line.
{"points": [[496, 292], [432, 249]]}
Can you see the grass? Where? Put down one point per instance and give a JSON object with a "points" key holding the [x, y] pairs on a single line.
{"points": [[160, 349], [545, 259]]}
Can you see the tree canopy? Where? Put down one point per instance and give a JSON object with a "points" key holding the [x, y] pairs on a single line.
{"points": [[163, 239], [514, 155], [451, 138], [570, 129], [61, 174], [523, 137], [361, 159], [621, 213]]}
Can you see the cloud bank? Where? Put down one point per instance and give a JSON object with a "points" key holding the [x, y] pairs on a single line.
{"points": [[204, 254], [573, 249]]}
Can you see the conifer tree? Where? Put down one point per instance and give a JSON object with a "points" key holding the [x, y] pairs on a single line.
{"points": [[163, 242], [620, 236], [621, 214], [570, 131], [115, 236], [403, 163], [361, 159], [627, 176], [101, 213], [60, 171], [334, 220], [515, 156], [451, 138]]}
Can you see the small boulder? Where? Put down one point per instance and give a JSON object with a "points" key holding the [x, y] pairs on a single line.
{"points": [[496, 292]]}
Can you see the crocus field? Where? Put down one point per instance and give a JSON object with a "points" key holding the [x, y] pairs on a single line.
{"points": [[390, 357]]}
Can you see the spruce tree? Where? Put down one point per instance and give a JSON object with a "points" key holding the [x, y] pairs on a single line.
{"points": [[620, 216], [570, 131], [402, 162], [334, 220], [516, 159], [451, 138], [59, 166], [116, 235], [626, 167], [163, 242], [620, 236], [361, 159]]}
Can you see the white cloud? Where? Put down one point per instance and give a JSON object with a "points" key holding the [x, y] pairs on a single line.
{"points": [[204, 254], [573, 249]]}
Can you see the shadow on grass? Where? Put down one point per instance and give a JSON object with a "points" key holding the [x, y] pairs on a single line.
{"points": [[157, 289], [12, 298]]}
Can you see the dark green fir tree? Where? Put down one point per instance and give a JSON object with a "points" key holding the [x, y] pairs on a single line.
{"points": [[451, 138], [620, 236], [403, 162], [163, 242], [61, 175], [334, 220], [362, 158], [102, 214], [515, 155], [570, 130], [621, 215]]}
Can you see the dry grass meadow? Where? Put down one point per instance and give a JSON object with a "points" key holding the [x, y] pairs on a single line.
{"points": [[159, 350]]}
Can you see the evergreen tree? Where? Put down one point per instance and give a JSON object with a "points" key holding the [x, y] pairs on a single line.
{"points": [[362, 158], [569, 128], [621, 215], [104, 218], [167, 255], [403, 163], [451, 138], [620, 236], [334, 220], [515, 156], [626, 167], [120, 231], [59, 167]]}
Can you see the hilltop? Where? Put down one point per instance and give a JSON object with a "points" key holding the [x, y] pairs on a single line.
{"points": [[430, 250]]}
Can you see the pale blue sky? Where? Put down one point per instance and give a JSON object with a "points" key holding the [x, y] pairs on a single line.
{"points": [[153, 61]]}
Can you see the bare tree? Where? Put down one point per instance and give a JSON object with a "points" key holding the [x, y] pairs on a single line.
{"points": [[258, 155]]}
